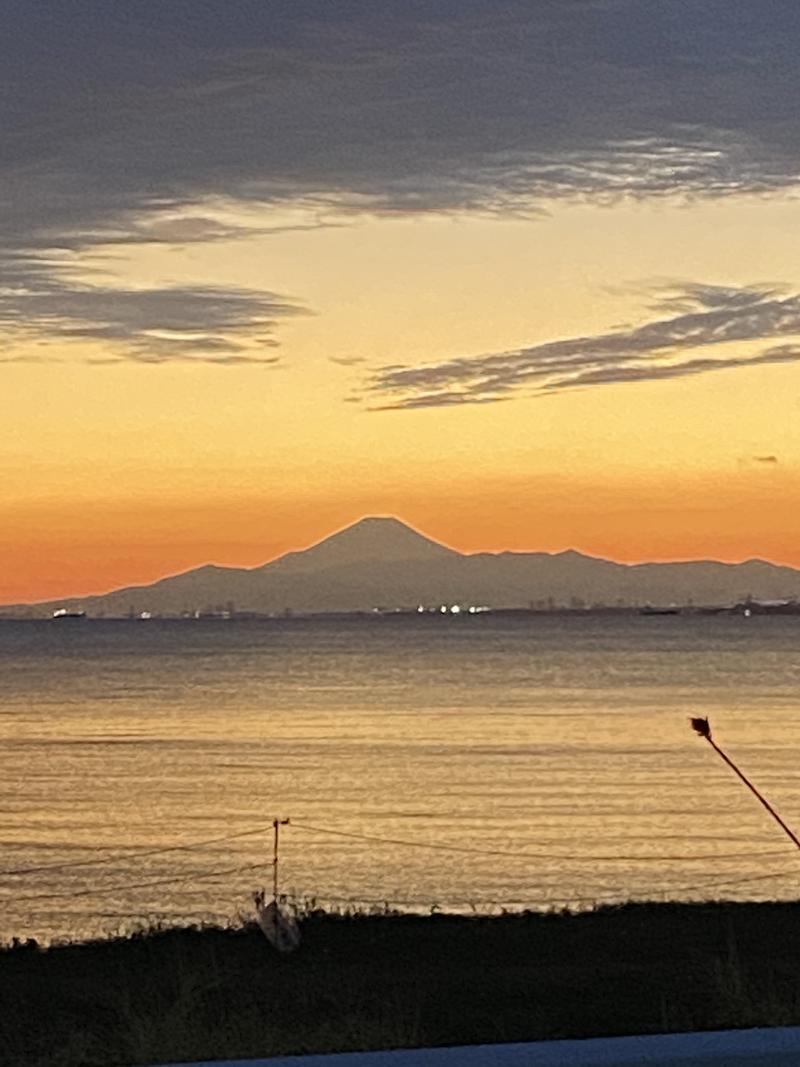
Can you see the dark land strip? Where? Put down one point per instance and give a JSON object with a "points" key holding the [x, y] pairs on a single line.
{"points": [[369, 981]]}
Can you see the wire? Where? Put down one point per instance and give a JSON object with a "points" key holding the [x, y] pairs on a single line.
{"points": [[301, 825], [139, 885], [698, 885], [136, 854], [593, 898], [161, 851], [201, 876]]}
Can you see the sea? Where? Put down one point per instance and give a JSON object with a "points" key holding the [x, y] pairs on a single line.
{"points": [[472, 763]]}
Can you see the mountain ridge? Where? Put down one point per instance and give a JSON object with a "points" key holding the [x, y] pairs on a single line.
{"points": [[382, 562]]}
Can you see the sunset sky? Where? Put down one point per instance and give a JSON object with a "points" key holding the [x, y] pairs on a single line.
{"points": [[524, 274]]}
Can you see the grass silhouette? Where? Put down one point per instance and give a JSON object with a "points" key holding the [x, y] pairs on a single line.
{"points": [[369, 981]]}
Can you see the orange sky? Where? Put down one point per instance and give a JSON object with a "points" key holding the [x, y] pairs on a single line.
{"points": [[524, 279], [119, 474], [122, 474], [66, 549]]}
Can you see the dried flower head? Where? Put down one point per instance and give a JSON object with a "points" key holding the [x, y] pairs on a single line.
{"points": [[701, 727]]}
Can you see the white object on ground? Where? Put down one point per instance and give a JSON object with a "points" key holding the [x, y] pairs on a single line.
{"points": [[778, 1047], [277, 924]]}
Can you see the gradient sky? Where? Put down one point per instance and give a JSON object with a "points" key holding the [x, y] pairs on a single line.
{"points": [[523, 274]]}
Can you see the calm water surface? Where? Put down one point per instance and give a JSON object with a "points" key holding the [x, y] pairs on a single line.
{"points": [[561, 745]]}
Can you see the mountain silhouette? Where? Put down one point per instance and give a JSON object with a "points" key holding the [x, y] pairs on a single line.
{"points": [[380, 562], [373, 539]]}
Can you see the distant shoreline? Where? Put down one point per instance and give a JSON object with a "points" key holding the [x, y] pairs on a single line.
{"points": [[744, 608]]}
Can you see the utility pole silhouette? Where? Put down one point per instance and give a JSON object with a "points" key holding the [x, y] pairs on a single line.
{"points": [[276, 825]]}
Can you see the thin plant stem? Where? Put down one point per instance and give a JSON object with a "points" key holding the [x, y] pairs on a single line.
{"points": [[701, 727]]}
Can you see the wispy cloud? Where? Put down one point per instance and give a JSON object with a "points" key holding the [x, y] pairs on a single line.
{"points": [[703, 316], [766, 461], [348, 361], [43, 301]]}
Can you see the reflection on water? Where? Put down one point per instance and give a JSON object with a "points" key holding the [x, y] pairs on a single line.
{"points": [[561, 745]]}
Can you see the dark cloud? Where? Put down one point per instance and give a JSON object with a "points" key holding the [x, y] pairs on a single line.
{"points": [[393, 107], [402, 107], [702, 316], [128, 122], [768, 460]]}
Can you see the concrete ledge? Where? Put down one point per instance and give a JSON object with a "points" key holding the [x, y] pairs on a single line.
{"points": [[779, 1047]]}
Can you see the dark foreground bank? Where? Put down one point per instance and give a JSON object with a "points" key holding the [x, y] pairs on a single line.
{"points": [[388, 981]]}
